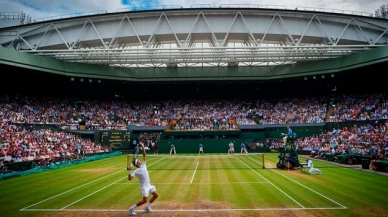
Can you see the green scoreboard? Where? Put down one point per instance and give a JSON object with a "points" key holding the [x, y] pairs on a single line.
{"points": [[116, 139]]}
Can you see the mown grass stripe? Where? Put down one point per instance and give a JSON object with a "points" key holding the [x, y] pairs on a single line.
{"points": [[273, 185], [54, 179], [231, 175], [88, 183], [173, 181]]}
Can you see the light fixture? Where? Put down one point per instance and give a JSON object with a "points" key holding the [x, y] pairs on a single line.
{"points": [[82, 80], [99, 81], [71, 79], [314, 77]]}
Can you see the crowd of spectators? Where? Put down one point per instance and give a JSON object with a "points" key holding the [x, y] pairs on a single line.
{"points": [[292, 110], [359, 108], [43, 146], [366, 140], [214, 115], [93, 114], [73, 114]]}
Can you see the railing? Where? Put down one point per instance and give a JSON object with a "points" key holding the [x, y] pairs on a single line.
{"points": [[150, 8], [11, 15], [299, 8], [201, 6], [252, 6], [24, 19], [169, 7], [80, 14]]}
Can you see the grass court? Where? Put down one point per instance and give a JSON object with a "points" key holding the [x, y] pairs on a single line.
{"points": [[198, 185]]}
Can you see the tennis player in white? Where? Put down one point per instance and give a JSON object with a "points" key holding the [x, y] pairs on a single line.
{"points": [[146, 188]]}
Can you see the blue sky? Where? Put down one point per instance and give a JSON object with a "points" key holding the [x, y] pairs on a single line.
{"points": [[45, 8]]}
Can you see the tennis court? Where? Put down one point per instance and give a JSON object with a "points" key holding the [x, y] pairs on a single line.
{"points": [[205, 185]]}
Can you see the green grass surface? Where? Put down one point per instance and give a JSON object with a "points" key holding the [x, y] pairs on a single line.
{"points": [[197, 185]]}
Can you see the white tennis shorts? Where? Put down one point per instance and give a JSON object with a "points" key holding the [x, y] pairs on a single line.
{"points": [[147, 190]]}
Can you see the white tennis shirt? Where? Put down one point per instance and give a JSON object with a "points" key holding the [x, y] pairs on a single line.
{"points": [[142, 174]]}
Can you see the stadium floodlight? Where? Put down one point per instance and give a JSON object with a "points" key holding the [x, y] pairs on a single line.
{"points": [[82, 80], [71, 79], [172, 65], [314, 77], [99, 81]]}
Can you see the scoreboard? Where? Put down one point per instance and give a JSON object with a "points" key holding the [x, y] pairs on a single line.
{"points": [[117, 139]]}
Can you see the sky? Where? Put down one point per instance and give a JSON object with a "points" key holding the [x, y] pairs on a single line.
{"points": [[46, 8]]}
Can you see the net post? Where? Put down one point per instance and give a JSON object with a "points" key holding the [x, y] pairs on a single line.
{"points": [[262, 159]]}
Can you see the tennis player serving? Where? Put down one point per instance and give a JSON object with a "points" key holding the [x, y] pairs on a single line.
{"points": [[146, 188]]}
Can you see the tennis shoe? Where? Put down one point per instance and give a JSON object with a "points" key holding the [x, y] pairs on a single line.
{"points": [[148, 209], [132, 211]]}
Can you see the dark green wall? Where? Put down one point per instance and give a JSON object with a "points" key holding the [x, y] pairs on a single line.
{"points": [[209, 146]]}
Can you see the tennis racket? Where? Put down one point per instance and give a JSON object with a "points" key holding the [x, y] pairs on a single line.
{"points": [[136, 153], [128, 161], [132, 158]]}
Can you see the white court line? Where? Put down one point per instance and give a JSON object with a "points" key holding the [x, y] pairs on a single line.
{"points": [[93, 193], [272, 184], [181, 210], [192, 178], [71, 190], [305, 186], [102, 188], [197, 183]]}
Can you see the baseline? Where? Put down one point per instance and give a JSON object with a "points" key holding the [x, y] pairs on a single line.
{"points": [[182, 210], [197, 183]]}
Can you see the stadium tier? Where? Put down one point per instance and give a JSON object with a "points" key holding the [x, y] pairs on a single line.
{"points": [[220, 106]]}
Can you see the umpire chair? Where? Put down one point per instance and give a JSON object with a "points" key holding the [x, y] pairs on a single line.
{"points": [[288, 148]]}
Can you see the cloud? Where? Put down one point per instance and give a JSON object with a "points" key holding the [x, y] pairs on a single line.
{"points": [[350, 5], [45, 8]]}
